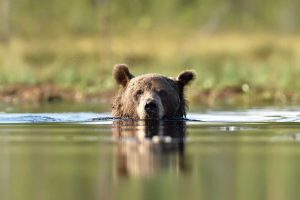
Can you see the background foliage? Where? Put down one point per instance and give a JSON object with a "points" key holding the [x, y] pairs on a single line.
{"points": [[248, 44]]}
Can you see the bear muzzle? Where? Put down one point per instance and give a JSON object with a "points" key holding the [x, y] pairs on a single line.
{"points": [[151, 108]]}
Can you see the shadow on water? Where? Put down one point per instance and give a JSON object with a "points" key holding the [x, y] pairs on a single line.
{"points": [[147, 147]]}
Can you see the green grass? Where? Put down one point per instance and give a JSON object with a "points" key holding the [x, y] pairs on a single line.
{"points": [[259, 60]]}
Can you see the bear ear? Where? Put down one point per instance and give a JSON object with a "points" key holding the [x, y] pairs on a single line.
{"points": [[185, 77], [121, 74]]}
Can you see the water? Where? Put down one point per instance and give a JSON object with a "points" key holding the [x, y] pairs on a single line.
{"points": [[239, 154]]}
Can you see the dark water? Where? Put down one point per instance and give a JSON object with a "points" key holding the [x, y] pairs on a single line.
{"points": [[249, 154]]}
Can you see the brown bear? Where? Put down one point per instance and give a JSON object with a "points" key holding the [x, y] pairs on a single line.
{"points": [[149, 96]]}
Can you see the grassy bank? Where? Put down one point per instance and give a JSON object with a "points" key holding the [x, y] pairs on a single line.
{"points": [[261, 65]]}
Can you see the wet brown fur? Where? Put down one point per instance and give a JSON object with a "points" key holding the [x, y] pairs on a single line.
{"points": [[127, 109]]}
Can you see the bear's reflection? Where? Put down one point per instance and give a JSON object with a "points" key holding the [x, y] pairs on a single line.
{"points": [[145, 148]]}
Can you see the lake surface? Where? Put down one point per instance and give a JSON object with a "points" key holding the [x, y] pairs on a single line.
{"points": [[238, 154]]}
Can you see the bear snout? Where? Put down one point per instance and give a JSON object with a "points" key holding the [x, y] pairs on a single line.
{"points": [[151, 106], [152, 109]]}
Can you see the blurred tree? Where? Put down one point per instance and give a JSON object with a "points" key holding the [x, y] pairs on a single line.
{"points": [[5, 22], [288, 19], [42, 17]]}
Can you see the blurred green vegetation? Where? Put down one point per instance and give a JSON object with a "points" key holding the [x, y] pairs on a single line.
{"points": [[75, 43]]}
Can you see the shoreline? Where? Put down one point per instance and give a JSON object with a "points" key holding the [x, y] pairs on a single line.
{"points": [[231, 95]]}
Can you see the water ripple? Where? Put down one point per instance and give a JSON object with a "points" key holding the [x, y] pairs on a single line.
{"points": [[246, 116]]}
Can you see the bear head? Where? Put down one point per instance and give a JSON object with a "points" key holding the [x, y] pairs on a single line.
{"points": [[149, 96]]}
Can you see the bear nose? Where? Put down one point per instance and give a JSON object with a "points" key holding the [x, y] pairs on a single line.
{"points": [[151, 106]]}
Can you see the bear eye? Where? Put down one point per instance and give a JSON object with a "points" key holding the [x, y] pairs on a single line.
{"points": [[138, 93], [162, 93]]}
